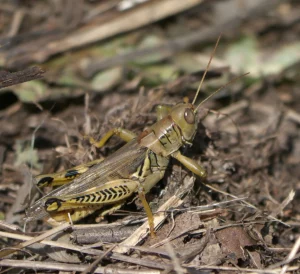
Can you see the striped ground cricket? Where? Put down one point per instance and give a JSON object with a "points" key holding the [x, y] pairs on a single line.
{"points": [[136, 167]]}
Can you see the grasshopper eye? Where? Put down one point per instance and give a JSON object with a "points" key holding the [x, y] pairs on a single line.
{"points": [[189, 116]]}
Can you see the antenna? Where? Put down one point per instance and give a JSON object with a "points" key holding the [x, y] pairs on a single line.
{"points": [[224, 86], [207, 67]]}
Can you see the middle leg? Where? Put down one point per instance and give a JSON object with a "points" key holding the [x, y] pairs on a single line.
{"points": [[123, 133]]}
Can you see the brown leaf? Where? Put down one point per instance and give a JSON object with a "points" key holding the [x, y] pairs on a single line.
{"points": [[233, 240]]}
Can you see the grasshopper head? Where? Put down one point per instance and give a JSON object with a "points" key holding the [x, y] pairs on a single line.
{"points": [[184, 116]]}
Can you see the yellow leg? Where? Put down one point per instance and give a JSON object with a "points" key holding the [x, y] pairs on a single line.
{"points": [[76, 214], [124, 134], [148, 211], [80, 205], [191, 164], [108, 193], [61, 178], [112, 210]]}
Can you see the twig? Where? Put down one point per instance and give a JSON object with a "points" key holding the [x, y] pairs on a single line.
{"points": [[169, 239], [69, 267], [176, 262], [8, 79], [141, 232], [178, 44], [284, 203], [244, 202], [190, 252], [9, 227], [293, 115], [291, 256], [126, 21], [159, 217], [92, 267], [16, 22], [89, 251], [239, 270], [39, 238]]}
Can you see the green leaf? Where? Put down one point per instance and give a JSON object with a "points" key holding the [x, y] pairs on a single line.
{"points": [[30, 91], [107, 79]]}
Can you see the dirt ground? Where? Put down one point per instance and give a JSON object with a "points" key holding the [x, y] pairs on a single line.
{"points": [[71, 71]]}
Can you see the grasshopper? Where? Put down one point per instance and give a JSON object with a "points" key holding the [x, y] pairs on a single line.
{"points": [[134, 168]]}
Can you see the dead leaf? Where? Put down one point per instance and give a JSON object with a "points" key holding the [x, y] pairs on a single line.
{"points": [[233, 240]]}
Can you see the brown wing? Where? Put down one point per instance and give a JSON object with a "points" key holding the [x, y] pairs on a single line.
{"points": [[120, 164]]}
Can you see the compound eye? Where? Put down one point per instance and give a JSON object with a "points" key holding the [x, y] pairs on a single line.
{"points": [[189, 116]]}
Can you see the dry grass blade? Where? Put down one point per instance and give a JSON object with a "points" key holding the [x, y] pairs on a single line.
{"points": [[139, 17], [69, 267], [159, 217], [9, 227], [4, 253], [142, 232], [92, 267], [90, 251], [245, 203], [176, 262], [292, 255], [244, 270]]}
